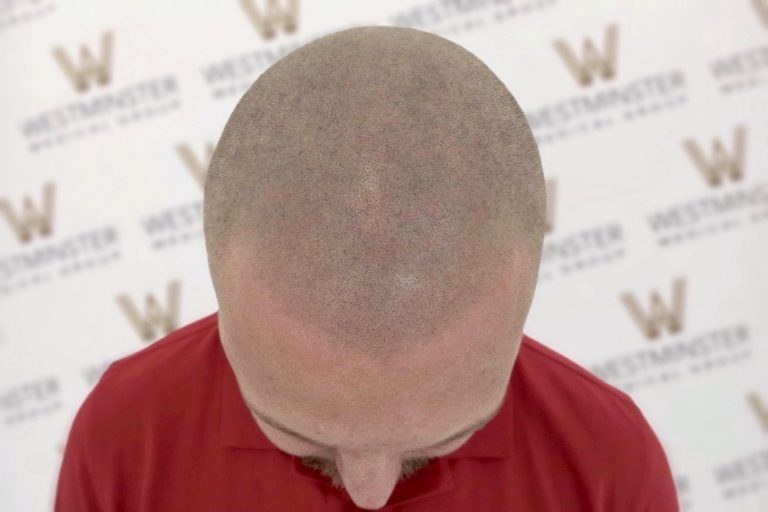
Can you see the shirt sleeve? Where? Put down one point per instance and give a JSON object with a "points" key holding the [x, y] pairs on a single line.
{"points": [[659, 493], [79, 482]]}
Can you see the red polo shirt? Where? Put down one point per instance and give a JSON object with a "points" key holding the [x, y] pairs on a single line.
{"points": [[165, 429]]}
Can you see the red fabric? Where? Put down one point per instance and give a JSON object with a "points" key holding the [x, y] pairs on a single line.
{"points": [[165, 429]]}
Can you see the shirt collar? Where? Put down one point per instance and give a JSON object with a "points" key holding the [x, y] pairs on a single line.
{"points": [[238, 429]]}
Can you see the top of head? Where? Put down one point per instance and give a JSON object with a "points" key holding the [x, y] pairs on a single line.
{"points": [[381, 178]]}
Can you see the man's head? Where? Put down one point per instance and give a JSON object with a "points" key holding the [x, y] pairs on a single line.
{"points": [[374, 215]]}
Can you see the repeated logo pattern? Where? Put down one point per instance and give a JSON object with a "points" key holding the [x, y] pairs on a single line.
{"points": [[651, 118]]}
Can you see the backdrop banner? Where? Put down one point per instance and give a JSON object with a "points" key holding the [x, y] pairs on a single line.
{"points": [[652, 121]]}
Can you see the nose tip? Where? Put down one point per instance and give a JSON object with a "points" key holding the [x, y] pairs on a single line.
{"points": [[371, 497], [372, 503], [371, 494], [369, 481]]}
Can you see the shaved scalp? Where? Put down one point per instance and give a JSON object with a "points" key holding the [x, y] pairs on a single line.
{"points": [[379, 180]]}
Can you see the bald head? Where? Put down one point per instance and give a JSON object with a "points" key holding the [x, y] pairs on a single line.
{"points": [[374, 183]]}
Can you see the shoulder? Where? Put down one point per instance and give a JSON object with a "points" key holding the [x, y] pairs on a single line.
{"points": [[151, 384], [178, 349], [562, 379], [591, 422], [559, 366]]}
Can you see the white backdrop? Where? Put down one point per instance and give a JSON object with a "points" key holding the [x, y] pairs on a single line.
{"points": [[651, 117]]}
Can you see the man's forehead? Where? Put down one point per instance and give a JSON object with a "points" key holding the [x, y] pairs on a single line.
{"points": [[426, 405], [467, 426], [440, 386], [309, 375]]}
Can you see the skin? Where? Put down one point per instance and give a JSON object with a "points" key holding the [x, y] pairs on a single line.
{"points": [[386, 156], [374, 412]]}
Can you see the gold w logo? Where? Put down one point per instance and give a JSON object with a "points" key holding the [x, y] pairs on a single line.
{"points": [[722, 162], [760, 408], [592, 61], [762, 9], [659, 315], [90, 69], [198, 167], [31, 218], [154, 316], [273, 15]]}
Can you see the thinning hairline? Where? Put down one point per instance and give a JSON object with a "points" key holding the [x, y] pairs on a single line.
{"points": [[472, 427]]}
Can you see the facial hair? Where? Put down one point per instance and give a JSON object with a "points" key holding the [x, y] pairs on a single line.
{"points": [[328, 468]]}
